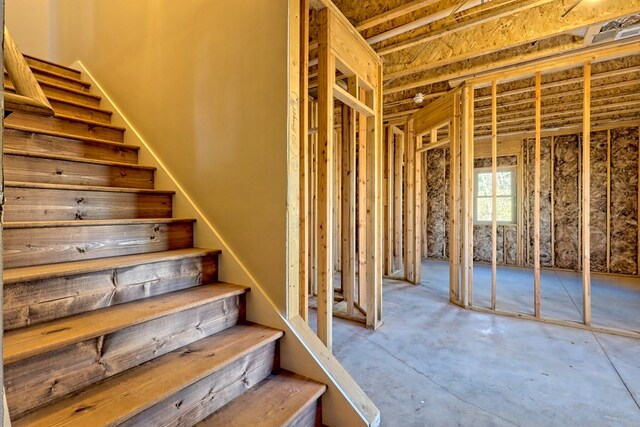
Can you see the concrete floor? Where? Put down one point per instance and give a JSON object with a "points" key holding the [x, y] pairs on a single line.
{"points": [[615, 300], [434, 364]]}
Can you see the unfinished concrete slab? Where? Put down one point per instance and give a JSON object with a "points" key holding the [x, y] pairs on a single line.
{"points": [[433, 363]]}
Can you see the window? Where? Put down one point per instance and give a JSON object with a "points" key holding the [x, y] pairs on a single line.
{"points": [[505, 192]]}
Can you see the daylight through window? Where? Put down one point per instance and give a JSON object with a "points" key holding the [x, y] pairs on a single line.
{"points": [[506, 195]]}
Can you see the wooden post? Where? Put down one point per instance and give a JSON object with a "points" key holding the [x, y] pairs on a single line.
{"points": [[470, 184], [398, 202], [609, 199], [586, 197], [494, 191], [536, 203], [409, 208], [295, 135], [388, 218], [553, 184], [454, 203], [467, 196], [326, 80], [337, 202], [362, 206], [425, 211], [348, 269], [304, 160], [375, 167], [313, 202], [417, 213]]}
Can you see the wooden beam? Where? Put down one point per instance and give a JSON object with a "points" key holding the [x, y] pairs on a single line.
{"points": [[566, 123], [536, 203], [494, 184], [303, 288], [586, 198], [564, 82], [348, 268], [462, 20], [394, 13], [525, 116], [524, 27], [444, 8], [455, 76], [345, 97], [442, 143], [326, 77], [600, 52]]}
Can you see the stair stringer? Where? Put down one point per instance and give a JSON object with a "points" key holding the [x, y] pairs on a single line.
{"points": [[344, 403]]}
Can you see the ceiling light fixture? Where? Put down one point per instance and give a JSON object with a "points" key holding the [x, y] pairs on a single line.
{"points": [[419, 98]]}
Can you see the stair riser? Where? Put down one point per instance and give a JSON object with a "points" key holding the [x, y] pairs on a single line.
{"points": [[310, 417], [37, 246], [39, 143], [63, 93], [53, 68], [53, 171], [37, 204], [57, 124], [44, 77], [41, 379], [81, 112], [199, 400], [33, 302]]}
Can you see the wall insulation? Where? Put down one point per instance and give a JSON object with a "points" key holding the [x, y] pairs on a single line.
{"points": [[624, 201], [437, 212], [599, 198], [614, 166]]}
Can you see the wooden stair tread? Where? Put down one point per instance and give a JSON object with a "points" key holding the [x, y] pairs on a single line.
{"points": [[94, 222], [70, 187], [77, 104], [88, 122], [122, 396], [76, 80], [46, 61], [275, 401], [9, 86], [23, 274], [43, 71], [68, 136], [25, 342], [40, 155]]}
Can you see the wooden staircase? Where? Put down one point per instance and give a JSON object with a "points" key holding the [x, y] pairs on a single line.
{"points": [[111, 316]]}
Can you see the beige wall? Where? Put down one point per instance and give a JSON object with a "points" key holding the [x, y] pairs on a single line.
{"points": [[205, 84], [28, 22]]}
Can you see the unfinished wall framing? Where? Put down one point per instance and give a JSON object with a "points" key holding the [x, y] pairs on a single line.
{"points": [[571, 130], [344, 194]]}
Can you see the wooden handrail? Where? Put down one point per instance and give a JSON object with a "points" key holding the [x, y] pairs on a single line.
{"points": [[29, 95]]}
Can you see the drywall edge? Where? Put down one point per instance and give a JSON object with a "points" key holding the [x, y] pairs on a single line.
{"points": [[344, 403]]}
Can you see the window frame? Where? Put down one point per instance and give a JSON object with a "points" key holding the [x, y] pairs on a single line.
{"points": [[514, 194]]}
